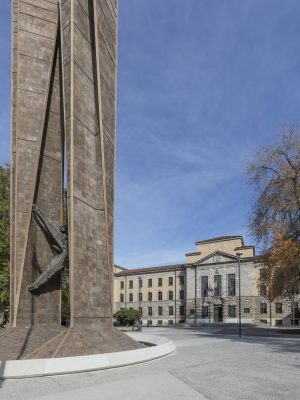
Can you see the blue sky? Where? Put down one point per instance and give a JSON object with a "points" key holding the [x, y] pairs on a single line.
{"points": [[202, 85]]}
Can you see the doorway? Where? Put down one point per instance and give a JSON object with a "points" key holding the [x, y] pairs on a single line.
{"points": [[218, 313]]}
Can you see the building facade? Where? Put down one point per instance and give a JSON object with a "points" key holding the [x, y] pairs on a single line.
{"points": [[158, 293], [204, 289]]}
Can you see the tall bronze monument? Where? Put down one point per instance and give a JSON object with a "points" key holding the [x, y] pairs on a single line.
{"points": [[63, 117]]}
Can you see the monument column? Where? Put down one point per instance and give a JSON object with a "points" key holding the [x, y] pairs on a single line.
{"points": [[89, 50], [63, 97]]}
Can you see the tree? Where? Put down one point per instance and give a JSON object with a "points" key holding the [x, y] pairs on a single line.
{"points": [[4, 236], [275, 174], [275, 217], [283, 272], [127, 316]]}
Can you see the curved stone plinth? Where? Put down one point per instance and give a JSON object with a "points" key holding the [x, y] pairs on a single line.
{"points": [[42, 342], [69, 365]]}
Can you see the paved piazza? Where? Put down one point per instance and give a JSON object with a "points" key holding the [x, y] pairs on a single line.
{"points": [[204, 366]]}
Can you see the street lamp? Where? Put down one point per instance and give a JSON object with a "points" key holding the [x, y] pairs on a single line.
{"points": [[140, 300], [240, 310]]}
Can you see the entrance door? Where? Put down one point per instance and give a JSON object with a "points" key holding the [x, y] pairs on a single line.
{"points": [[218, 313]]}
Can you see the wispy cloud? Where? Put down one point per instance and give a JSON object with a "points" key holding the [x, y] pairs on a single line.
{"points": [[201, 87]]}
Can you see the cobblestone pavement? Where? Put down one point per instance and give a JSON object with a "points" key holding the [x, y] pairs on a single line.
{"points": [[204, 366]]}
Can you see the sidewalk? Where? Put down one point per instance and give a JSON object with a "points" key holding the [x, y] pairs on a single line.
{"points": [[204, 366]]}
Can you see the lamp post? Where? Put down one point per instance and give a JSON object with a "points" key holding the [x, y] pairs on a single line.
{"points": [[240, 310], [140, 301]]}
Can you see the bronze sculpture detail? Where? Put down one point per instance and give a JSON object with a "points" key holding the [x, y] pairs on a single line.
{"points": [[57, 238]]}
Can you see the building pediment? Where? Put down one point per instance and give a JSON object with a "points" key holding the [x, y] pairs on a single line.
{"points": [[216, 257]]}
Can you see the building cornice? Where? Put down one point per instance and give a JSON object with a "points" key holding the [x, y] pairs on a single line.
{"points": [[254, 259], [182, 267], [151, 270], [195, 253], [221, 239]]}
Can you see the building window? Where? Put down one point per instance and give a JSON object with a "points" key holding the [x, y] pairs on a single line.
{"points": [[204, 286], [192, 311], [121, 285], [140, 296], [159, 295], [205, 312], [262, 274], [181, 279], [217, 285], [140, 311], [278, 307], [159, 322], [149, 296], [231, 312], [130, 296], [171, 310], [170, 280], [149, 323], [181, 310], [170, 295], [130, 284], [263, 308], [262, 290], [160, 310], [149, 310], [247, 310], [159, 282], [181, 294], [231, 284], [122, 298], [149, 282], [170, 322], [140, 282]]}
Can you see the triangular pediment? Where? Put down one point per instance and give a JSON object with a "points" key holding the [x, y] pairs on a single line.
{"points": [[216, 257]]}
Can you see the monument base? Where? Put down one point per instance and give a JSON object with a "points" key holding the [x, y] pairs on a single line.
{"points": [[37, 342], [160, 347]]}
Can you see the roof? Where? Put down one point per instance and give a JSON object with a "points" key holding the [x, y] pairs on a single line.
{"points": [[150, 269], [179, 267], [221, 238], [217, 252], [118, 266], [245, 247], [234, 258]]}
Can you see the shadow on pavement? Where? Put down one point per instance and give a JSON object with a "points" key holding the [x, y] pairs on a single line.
{"points": [[274, 340], [2, 369]]}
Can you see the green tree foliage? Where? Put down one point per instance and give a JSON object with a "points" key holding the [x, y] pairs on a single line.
{"points": [[4, 236], [275, 217], [127, 316]]}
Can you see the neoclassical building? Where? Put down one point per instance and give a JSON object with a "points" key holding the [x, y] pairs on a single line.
{"points": [[205, 289]]}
